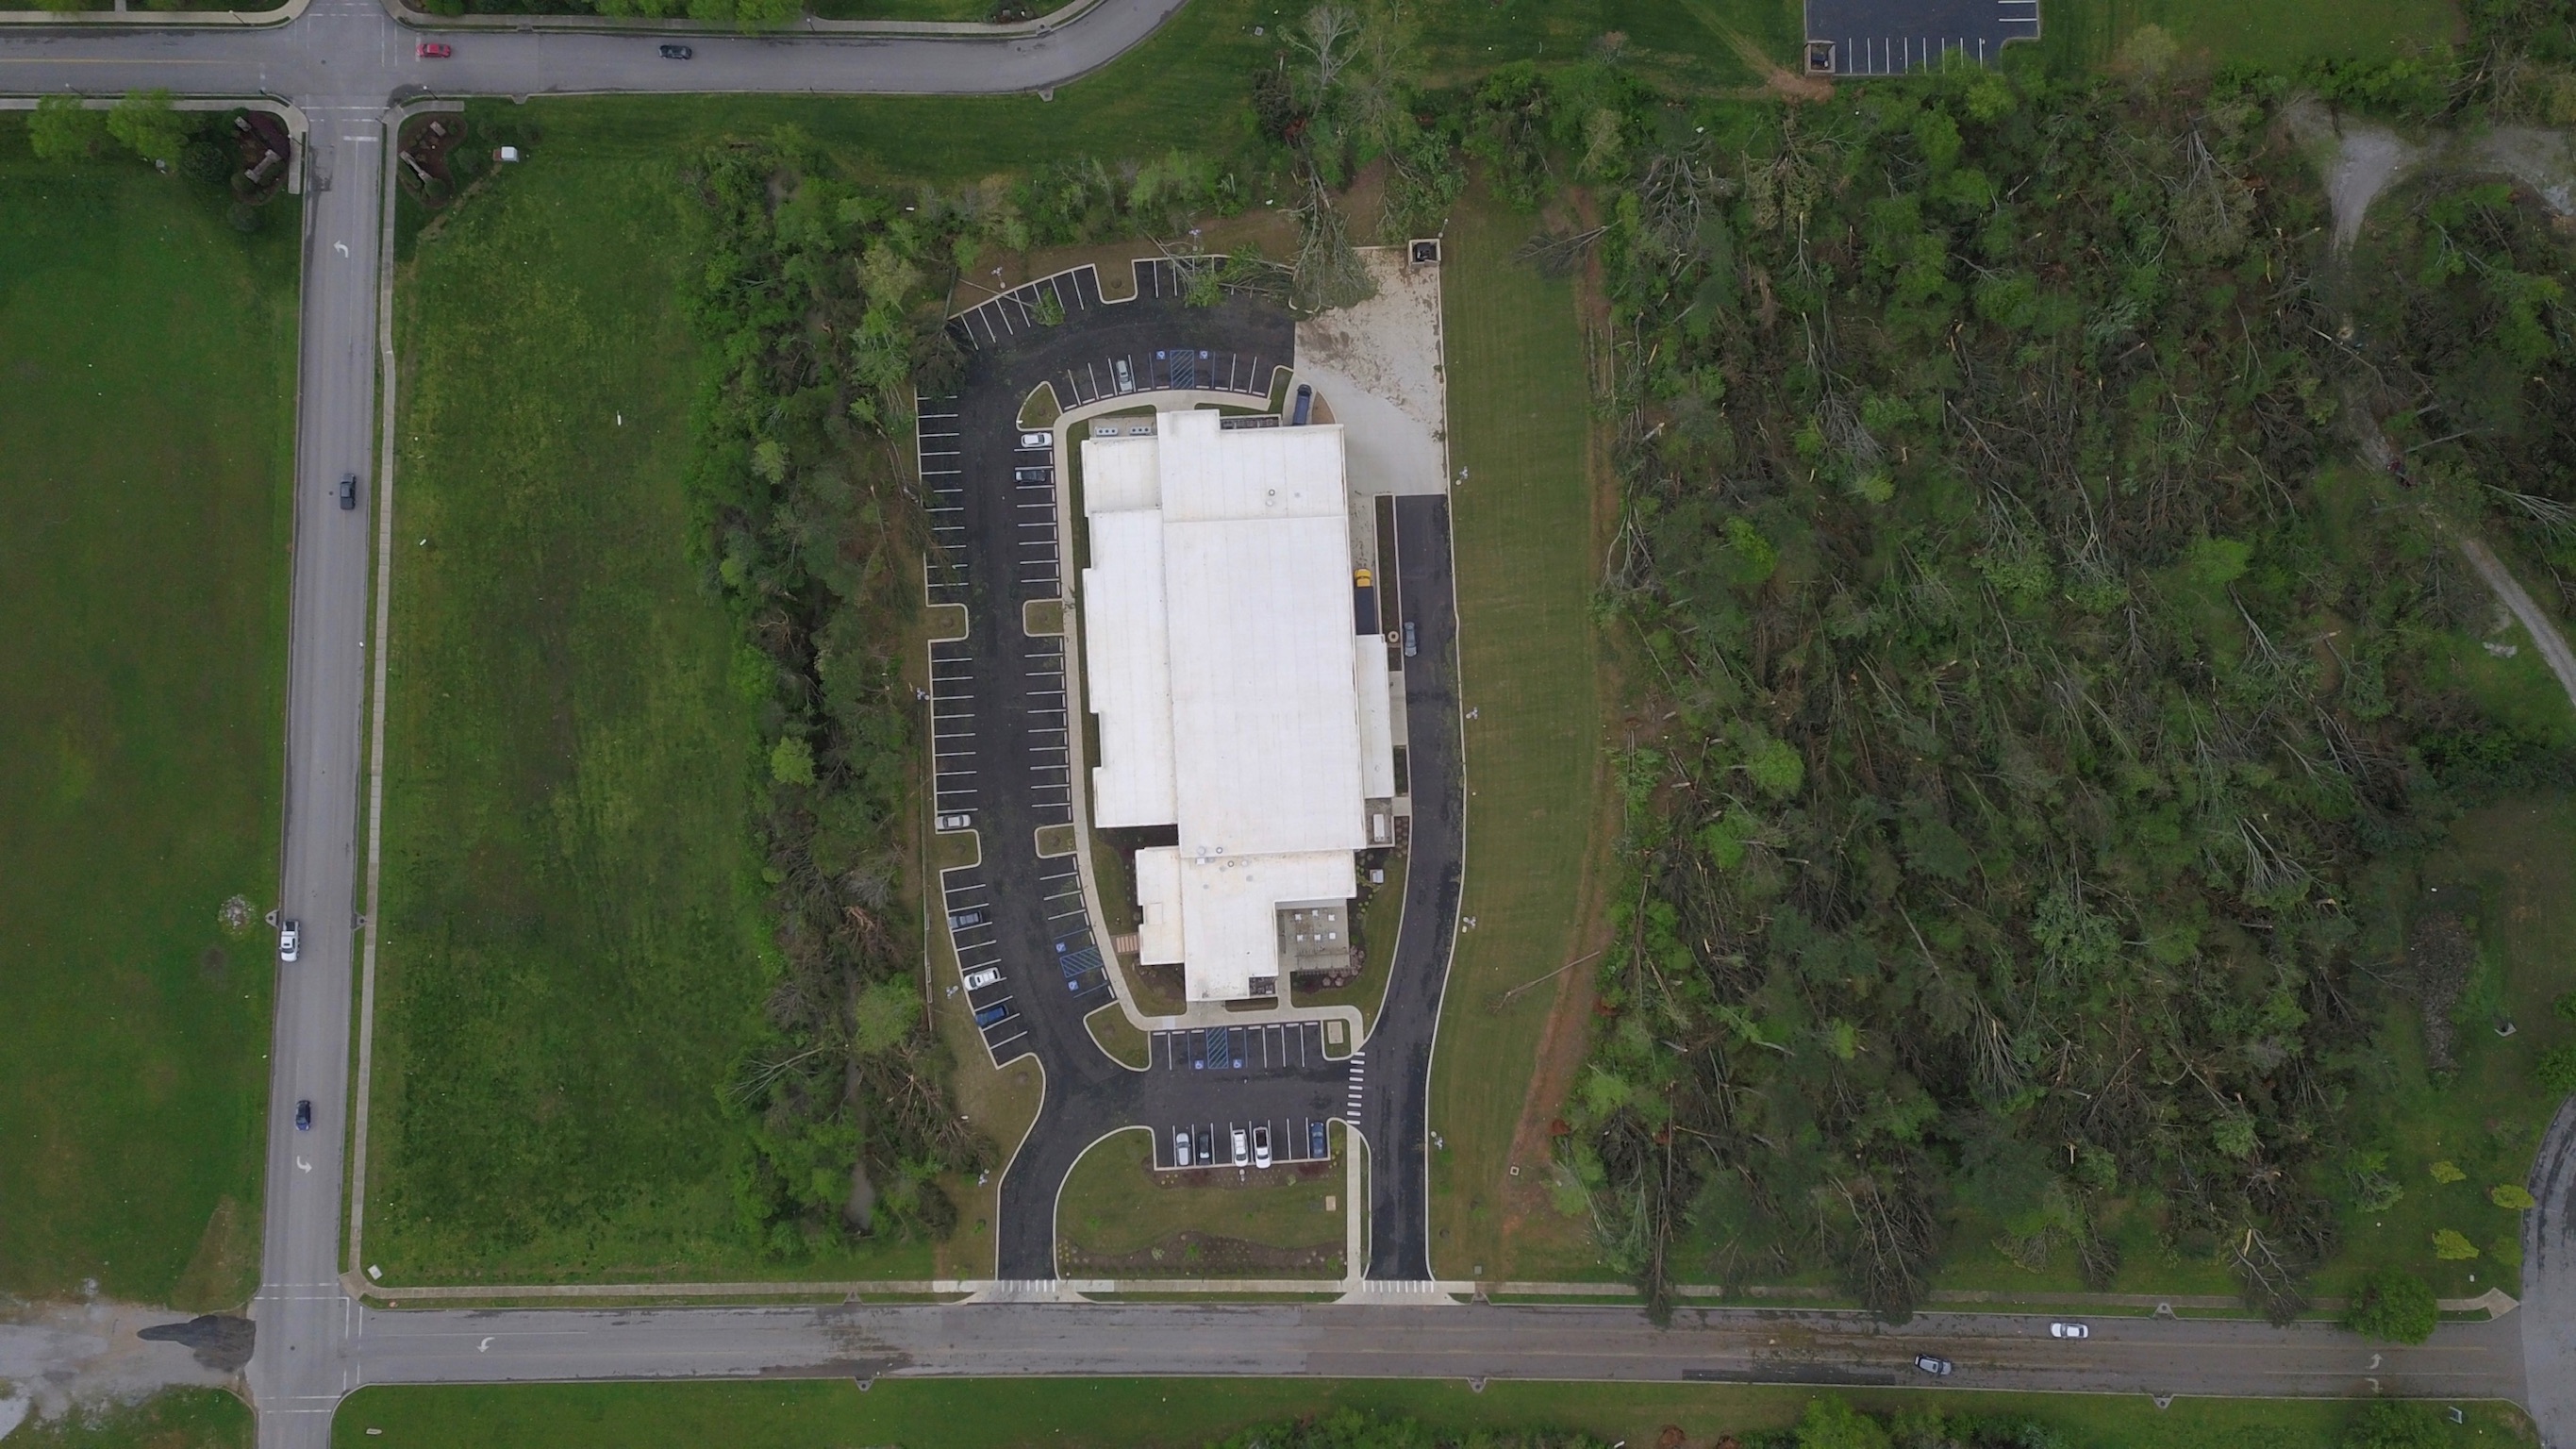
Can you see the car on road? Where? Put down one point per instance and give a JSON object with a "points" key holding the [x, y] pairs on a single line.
{"points": [[433, 50], [2069, 1330], [994, 1014], [1315, 1143], [1180, 1147], [1933, 1364], [677, 52], [290, 939], [978, 980], [1408, 639], [303, 1116], [1242, 1148], [1037, 440], [1261, 1145], [348, 490]]}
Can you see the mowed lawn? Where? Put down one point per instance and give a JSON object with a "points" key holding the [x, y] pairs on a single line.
{"points": [[2282, 33], [572, 958], [147, 393], [1147, 1413], [1529, 667]]}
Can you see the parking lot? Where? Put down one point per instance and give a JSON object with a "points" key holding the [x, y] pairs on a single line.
{"points": [[1189, 1146], [1892, 37]]}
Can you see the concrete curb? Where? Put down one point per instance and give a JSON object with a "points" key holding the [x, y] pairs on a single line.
{"points": [[1044, 25]]}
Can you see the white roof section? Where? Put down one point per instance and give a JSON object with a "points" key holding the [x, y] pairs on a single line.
{"points": [[1234, 701], [1229, 910], [1265, 724], [1131, 670]]}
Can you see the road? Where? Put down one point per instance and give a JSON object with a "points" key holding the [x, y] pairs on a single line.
{"points": [[1991, 1351]]}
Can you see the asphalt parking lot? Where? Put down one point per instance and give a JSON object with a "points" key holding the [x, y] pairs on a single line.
{"points": [[1892, 37]]}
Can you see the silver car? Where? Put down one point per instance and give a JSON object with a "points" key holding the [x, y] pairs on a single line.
{"points": [[1241, 1152], [1180, 1147]]}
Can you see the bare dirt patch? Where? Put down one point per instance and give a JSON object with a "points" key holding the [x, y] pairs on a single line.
{"points": [[96, 1352]]}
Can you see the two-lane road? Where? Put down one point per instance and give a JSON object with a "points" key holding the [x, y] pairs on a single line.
{"points": [[1992, 1351]]}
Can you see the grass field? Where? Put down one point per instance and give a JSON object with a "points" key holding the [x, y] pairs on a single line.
{"points": [[1150, 1413], [172, 1419], [147, 391], [1115, 1205], [2087, 32], [1518, 404], [572, 937]]}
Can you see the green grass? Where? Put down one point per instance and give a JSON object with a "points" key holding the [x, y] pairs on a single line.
{"points": [[171, 1419], [953, 10], [1115, 1203], [1518, 404], [2510, 872], [572, 938], [1145, 1413], [147, 390], [2283, 33]]}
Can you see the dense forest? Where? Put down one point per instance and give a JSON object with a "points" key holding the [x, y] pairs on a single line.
{"points": [[2041, 555]]}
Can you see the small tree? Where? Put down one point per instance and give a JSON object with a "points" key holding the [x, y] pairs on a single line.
{"points": [[2394, 1305], [791, 762], [1831, 1423], [147, 123], [64, 129]]}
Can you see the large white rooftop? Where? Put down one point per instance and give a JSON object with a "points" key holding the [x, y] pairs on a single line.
{"points": [[1234, 701]]}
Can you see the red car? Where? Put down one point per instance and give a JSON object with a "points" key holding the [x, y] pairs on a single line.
{"points": [[435, 50]]}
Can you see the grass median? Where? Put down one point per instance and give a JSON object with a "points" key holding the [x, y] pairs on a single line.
{"points": [[147, 390], [1119, 1218]]}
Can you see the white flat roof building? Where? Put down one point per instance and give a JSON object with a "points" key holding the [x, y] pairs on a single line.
{"points": [[1235, 701]]}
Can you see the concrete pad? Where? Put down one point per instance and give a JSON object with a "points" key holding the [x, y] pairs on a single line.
{"points": [[1379, 366]]}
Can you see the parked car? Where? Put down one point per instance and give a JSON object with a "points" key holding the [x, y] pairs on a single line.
{"points": [[677, 52], [1207, 1145], [978, 980], [1261, 1145], [1931, 1364], [1180, 1147], [348, 490], [1037, 440], [960, 920], [303, 1116], [2069, 1330], [1316, 1146], [1126, 375], [1242, 1148], [434, 50], [290, 938], [994, 1014]]}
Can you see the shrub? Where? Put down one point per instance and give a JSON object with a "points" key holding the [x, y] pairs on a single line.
{"points": [[2511, 1195], [2394, 1305], [2556, 1070], [205, 161], [2451, 1247], [2393, 1424], [246, 218]]}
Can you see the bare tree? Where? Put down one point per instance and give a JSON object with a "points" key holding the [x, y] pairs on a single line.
{"points": [[1329, 38]]}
